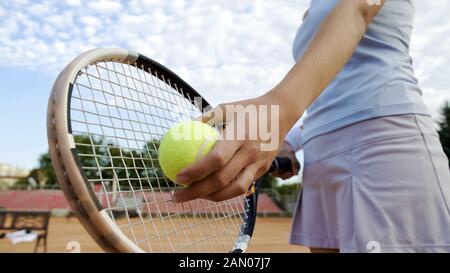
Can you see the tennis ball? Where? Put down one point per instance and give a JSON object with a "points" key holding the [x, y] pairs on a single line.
{"points": [[184, 144]]}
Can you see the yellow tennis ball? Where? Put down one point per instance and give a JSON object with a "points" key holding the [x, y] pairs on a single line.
{"points": [[184, 144]]}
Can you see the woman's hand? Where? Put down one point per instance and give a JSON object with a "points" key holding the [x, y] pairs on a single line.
{"points": [[232, 165], [287, 151], [245, 150]]}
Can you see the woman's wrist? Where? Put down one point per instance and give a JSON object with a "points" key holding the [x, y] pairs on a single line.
{"points": [[289, 110]]}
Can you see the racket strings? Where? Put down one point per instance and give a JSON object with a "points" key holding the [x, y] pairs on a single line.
{"points": [[119, 113]]}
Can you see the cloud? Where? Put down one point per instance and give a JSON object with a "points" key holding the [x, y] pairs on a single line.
{"points": [[105, 6], [229, 50], [73, 2], [430, 51]]}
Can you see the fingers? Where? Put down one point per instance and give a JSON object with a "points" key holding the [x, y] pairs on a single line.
{"points": [[283, 175], [215, 181], [295, 168], [295, 165], [238, 187], [216, 159]]}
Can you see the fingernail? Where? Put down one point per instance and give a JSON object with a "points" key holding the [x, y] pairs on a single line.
{"points": [[182, 179], [182, 172], [179, 197], [176, 199]]}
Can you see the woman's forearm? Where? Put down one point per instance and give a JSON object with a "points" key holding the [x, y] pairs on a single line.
{"points": [[329, 51]]}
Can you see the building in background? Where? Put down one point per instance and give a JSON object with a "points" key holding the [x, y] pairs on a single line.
{"points": [[9, 175]]}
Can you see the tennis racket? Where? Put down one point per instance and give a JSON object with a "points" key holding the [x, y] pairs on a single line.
{"points": [[107, 113]]}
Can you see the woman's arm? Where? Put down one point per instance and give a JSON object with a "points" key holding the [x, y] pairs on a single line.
{"points": [[232, 165], [329, 51]]}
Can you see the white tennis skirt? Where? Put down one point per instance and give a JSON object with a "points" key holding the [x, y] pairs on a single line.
{"points": [[381, 185]]}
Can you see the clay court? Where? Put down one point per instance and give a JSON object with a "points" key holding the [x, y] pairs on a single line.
{"points": [[271, 235]]}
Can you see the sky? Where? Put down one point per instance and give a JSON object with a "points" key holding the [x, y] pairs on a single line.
{"points": [[228, 50]]}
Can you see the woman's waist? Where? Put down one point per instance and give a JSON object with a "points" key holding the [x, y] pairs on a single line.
{"points": [[365, 132]]}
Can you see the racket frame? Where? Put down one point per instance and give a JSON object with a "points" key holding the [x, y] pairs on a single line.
{"points": [[67, 166]]}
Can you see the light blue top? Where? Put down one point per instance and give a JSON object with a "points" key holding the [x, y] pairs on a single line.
{"points": [[377, 81]]}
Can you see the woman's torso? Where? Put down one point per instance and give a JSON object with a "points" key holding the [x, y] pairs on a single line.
{"points": [[377, 81]]}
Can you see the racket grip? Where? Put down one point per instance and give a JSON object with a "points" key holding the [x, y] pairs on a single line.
{"points": [[281, 164]]}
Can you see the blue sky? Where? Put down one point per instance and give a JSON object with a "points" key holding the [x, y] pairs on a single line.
{"points": [[23, 96], [229, 50]]}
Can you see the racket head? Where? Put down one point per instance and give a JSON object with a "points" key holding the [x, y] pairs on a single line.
{"points": [[82, 140]]}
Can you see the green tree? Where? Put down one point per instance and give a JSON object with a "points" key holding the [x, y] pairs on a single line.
{"points": [[444, 131], [153, 171], [125, 167], [288, 189], [44, 174], [46, 169], [268, 182], [109, 162]]}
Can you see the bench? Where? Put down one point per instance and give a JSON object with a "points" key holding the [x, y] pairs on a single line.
{"points": [[26, 220]]}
